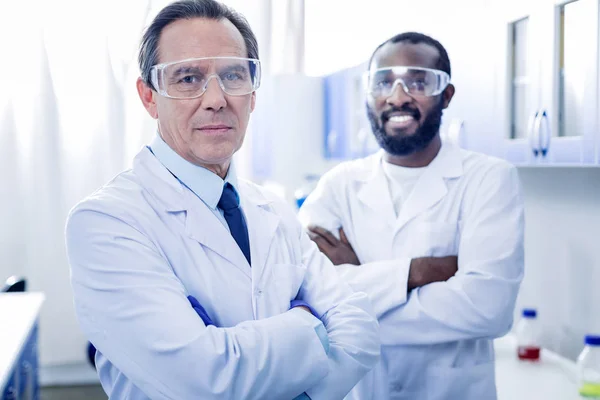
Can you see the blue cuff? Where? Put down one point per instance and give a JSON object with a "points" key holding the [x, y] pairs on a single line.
{"points": [[200, 311], [298, 303], [323, 337], [317, 325]]}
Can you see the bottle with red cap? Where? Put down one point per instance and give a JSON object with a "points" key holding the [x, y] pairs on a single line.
{"points": [[528, 336]]}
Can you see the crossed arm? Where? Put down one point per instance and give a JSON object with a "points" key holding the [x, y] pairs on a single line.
{"points": [[466, 295]]}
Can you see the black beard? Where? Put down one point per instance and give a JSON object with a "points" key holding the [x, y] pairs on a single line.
{"points": [[400, 145]]}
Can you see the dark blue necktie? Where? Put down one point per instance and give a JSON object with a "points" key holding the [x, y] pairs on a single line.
{"points": [[230, 204]]}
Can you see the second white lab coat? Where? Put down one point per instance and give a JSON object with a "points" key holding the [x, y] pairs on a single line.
{"points": [[142, 243], [437, 341]]}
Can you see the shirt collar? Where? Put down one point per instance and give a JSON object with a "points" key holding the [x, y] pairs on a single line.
{"points": [[205, 184]]}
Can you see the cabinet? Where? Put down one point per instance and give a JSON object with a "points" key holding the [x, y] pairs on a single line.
{"points": [[19, 368], [548, 82], [23, 381]]}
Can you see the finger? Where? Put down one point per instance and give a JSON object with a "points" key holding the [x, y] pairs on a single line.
{"points": [[325, 234], [343, 237], [320, 241]]}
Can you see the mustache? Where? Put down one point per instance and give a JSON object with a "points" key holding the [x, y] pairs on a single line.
{"points": [[385, 116]]}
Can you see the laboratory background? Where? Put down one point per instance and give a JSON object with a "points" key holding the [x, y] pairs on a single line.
{"points": [[527, 78]]}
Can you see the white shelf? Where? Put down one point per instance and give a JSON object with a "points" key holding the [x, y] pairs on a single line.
{"points": [[552, 378]]}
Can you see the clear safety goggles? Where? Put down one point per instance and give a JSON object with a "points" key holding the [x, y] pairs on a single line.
{"points": [[416, 81], [188, 79]]}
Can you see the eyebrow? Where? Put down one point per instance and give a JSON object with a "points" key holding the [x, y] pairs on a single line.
{"points": [[236, 68], [417, 73], [186, 70], [410, 72], [383, 73]]}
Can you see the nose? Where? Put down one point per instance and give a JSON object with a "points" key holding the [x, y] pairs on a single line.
{"points": [[214, 97], [399, 95]]}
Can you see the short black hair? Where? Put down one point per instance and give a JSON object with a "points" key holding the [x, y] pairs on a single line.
{"points": [[443, 62], [188, 9]]}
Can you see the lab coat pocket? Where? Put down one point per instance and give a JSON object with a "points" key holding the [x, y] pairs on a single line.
{"points": [[435, 239], [287, 279], [468, 382]]}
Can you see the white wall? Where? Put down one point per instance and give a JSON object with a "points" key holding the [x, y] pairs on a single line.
{"points": [[360, 26], [562, 260]]}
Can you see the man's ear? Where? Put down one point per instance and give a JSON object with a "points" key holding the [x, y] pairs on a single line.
{"points": [[253, 101], [147, 95], [448, 94]]}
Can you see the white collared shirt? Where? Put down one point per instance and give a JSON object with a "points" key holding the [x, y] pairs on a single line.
{"points": [[205, 184]]}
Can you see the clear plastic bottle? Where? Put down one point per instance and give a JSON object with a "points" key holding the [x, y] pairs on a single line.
{"points": [[588, 364], [528, 336]]}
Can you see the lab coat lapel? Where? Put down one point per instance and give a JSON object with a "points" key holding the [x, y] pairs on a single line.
{"points": [[374, 193], [158, 182], [431, 186], [201, 224], [204, 227], [262, 228]]}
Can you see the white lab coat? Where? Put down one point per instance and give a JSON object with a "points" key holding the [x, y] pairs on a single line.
{"points": [[437, 343], [142, 243]]}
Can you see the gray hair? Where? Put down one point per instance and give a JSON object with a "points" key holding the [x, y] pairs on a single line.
{"points": [[188, 9]]}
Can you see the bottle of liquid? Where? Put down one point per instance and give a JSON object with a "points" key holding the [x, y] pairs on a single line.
{"points": [[588, 365], [528, 336]]}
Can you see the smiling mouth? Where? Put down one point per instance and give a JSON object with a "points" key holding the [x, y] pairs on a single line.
{"points": [[400, 121], [401, 118]]}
